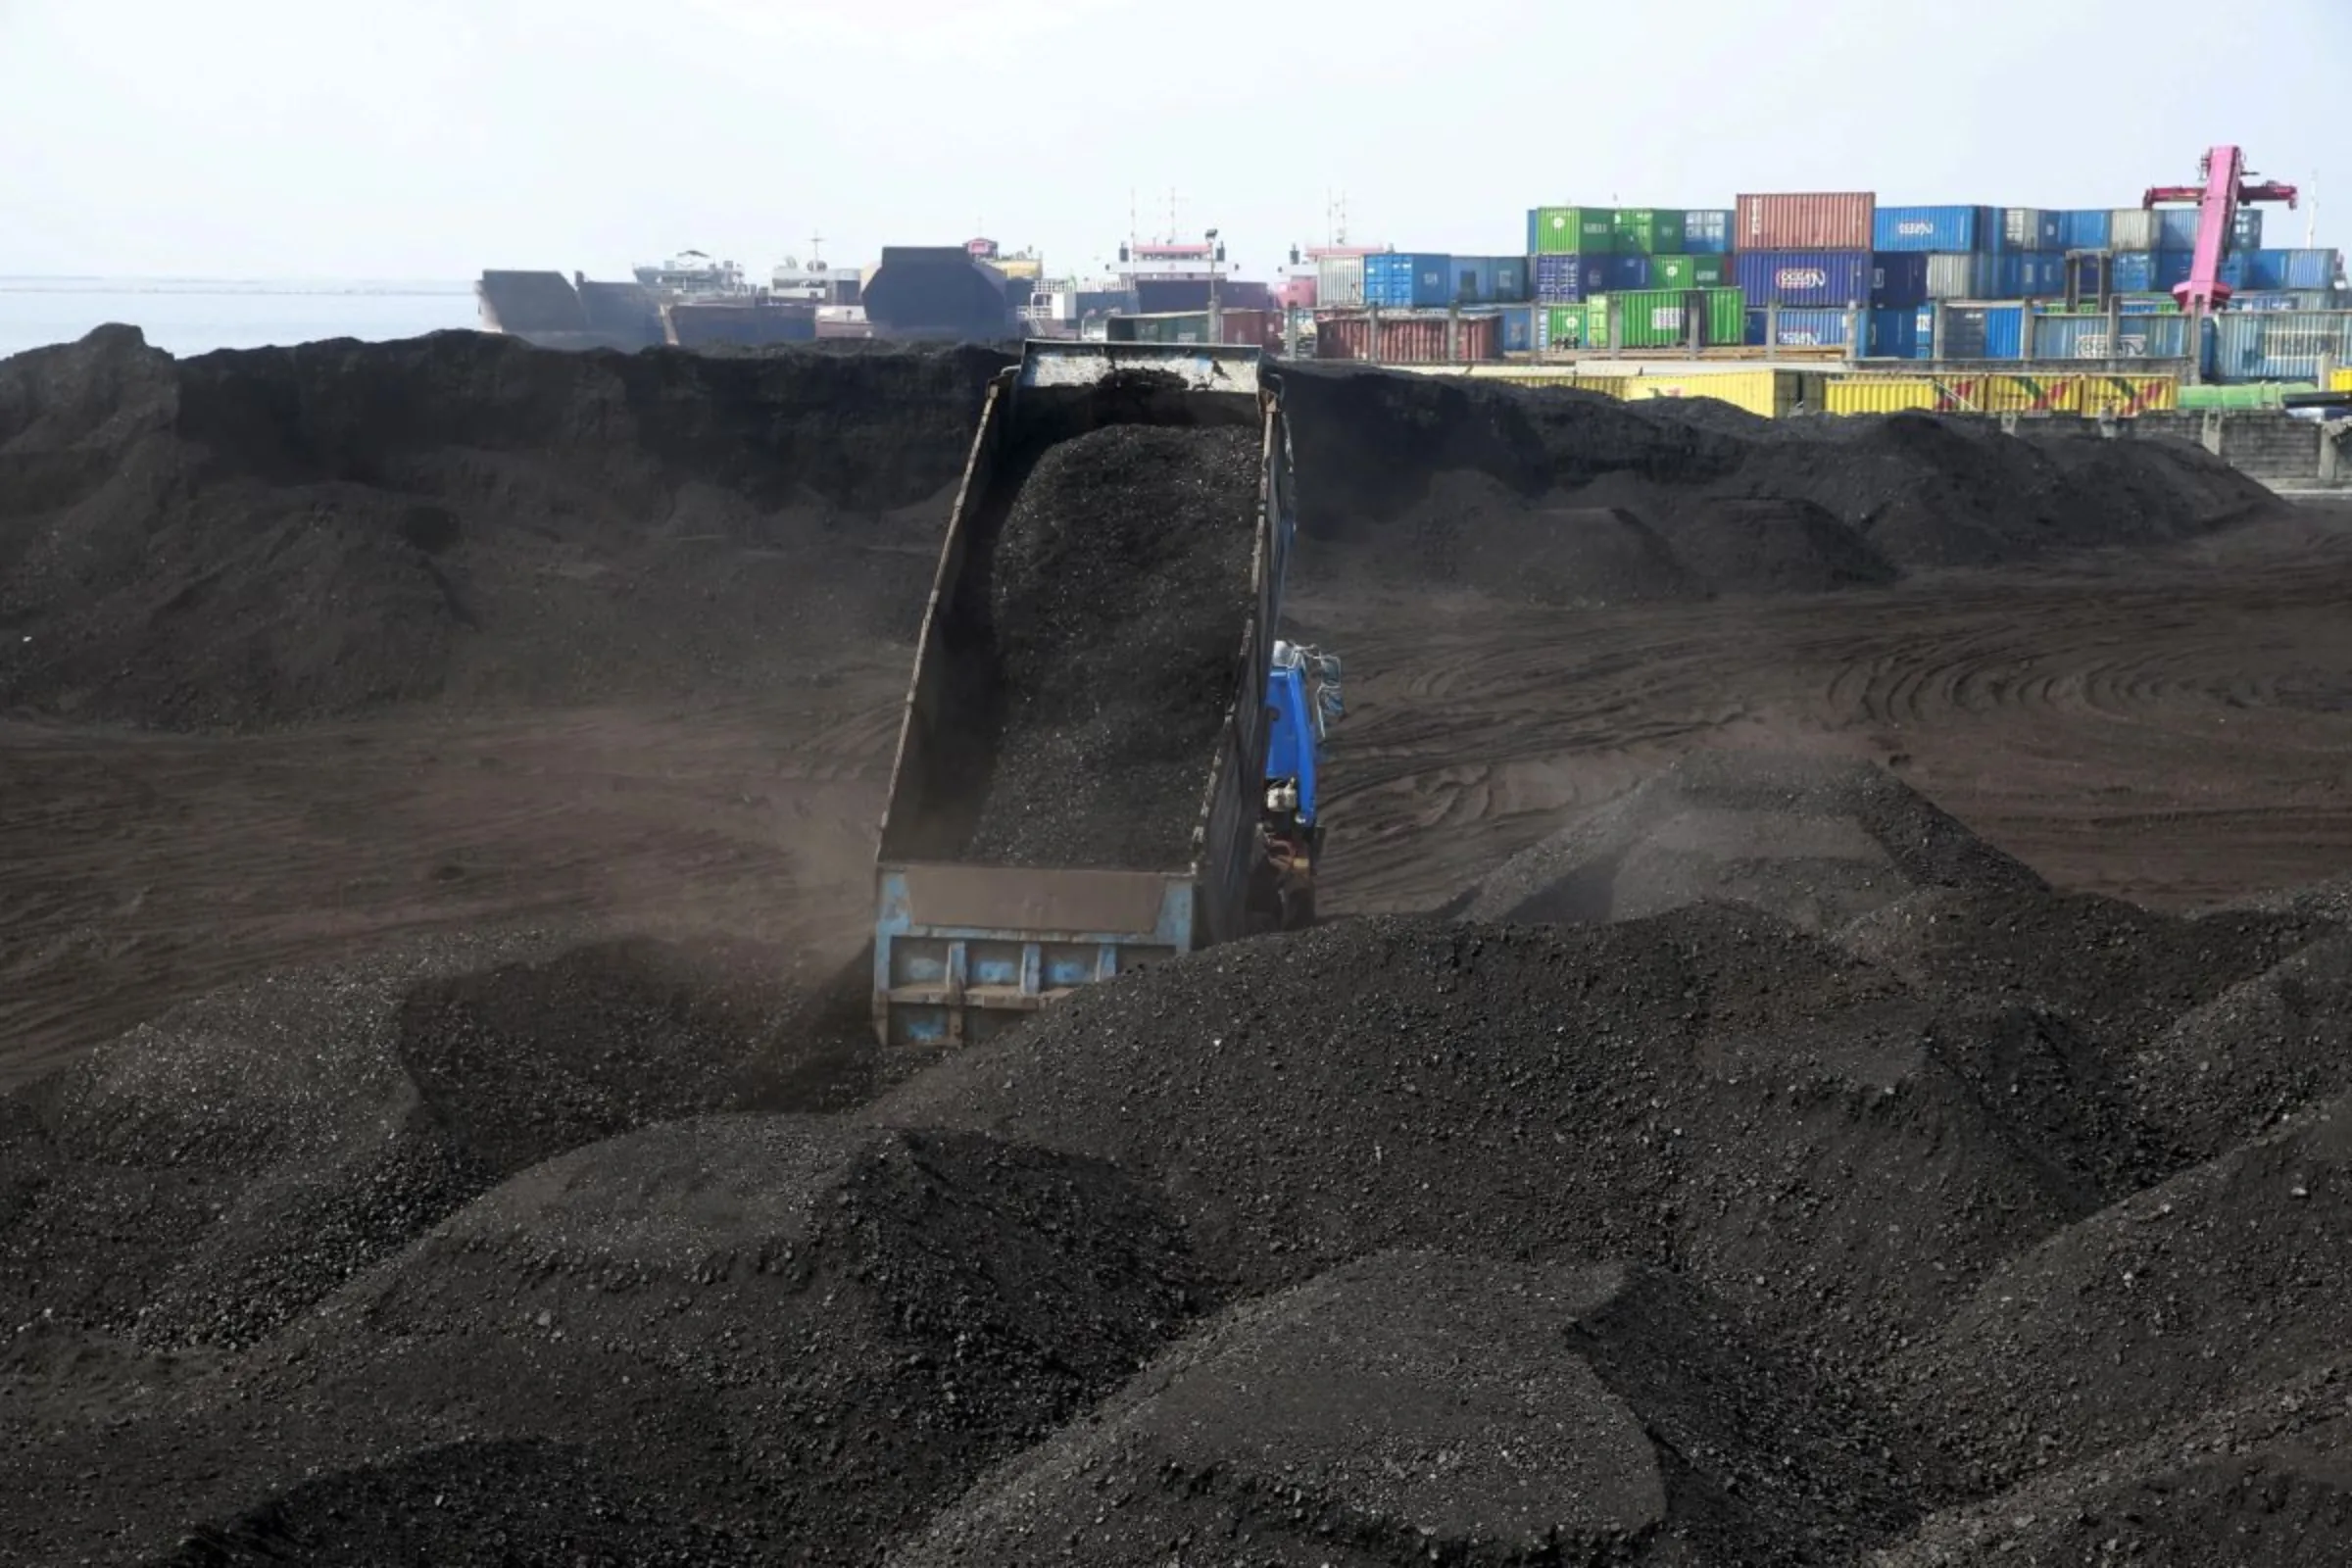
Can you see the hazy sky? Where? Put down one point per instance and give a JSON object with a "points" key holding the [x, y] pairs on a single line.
{"points": [[431, 138]]}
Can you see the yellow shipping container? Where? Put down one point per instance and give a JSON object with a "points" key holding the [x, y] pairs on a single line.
{"points": [[2340, 381], [1773, 394], [1879, 394], [2127, 395]]}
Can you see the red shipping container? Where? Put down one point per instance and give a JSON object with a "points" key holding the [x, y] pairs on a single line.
{"points": [[1261, 329], [1411, 339], [1805, 221]]}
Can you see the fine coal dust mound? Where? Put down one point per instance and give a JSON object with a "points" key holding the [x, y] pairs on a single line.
{"points": [[1119, 592], [1416, 1406]]}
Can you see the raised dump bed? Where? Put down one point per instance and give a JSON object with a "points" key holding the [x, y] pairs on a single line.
{"points": [[1080, 776]]}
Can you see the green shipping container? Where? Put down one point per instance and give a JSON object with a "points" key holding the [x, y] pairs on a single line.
{"points": [[1571, 231], [1564, 326], [1659, 317], [1649, 230], [1687, 272]]}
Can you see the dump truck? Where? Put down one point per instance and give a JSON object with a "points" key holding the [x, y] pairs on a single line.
{"points": [[963, 950]]}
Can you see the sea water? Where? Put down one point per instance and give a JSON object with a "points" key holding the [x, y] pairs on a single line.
{"points": [[195, 315]]}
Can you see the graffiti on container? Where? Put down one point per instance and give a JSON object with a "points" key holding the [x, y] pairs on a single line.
{"points": [[1794, 279], [2099, 346]]}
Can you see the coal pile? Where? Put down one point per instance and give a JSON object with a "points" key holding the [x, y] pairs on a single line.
{"points": [[2229, 1276], [1119, 588], [795, 1335], [1710, 1090], [271, 536], [208, 1177], [1410, 481], [1816, 841], [1419, 1407]]}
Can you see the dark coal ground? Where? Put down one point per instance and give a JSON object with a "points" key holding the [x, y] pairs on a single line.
{"points": [[1819, 1185]]}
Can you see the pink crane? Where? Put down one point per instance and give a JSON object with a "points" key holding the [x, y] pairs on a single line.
{"points": [[2225, 173]]}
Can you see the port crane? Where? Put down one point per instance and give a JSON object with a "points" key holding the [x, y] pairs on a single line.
{"points": [[2227, 185]]}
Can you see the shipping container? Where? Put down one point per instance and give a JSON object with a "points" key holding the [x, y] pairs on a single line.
{"points": [[1800, 328], [2177, 228], [2125, 396], [1772, 394], [1562, 328], [1408, 279], [1621, 273], [1707, 230], [1517, 325], [1489, 279], [2026, 274], [2131, 228], [2095, 337], [1661, 318], [1978, 331], [2283, 270], [2279, 345], [2008, 394], [1960, 276], [1571, 231], [2310, 299], [2172, 271], [1897, 279], [1813, 220], [1879, 394], [2025, 229], [1804, 277], [1930, 228], [1438, 338], [2246, 229], [2132, 272], [1649, 230], [1511, 283], [1905, 334], [1563, 280], [1340, 282], [1689, 271], [2083, 228]]}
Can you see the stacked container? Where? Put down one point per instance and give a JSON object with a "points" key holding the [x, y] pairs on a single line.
{"points": [[2026, 229], [1689, 272], [1563, 280], [1408, 279], [1811, 220], [1661, 318], [1827, 279], [1489, 279], [1648, 230], [1339, 281], [1951, 231], [1707, 230], [1571, 231]]}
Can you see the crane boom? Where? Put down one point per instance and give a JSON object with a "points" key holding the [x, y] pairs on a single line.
{"points": [[2226, 188]]}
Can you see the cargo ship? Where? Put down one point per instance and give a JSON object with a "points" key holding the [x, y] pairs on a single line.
{"points": [[689, 300]]}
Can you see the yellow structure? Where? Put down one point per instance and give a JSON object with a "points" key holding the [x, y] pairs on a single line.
{"points": [[2340, 381], [2118, 394]]}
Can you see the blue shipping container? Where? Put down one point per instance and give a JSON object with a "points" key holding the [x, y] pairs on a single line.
{"points": [[1898, 279], [2246, 232], [2083, 228], [1930, 228], [1984, 331], [1620, 275], [2027, 274], [2279, 270], [1399, 279], [1905, 334], [1802, 328], [1473, 281], [1804, 277], [2132, 272], [1563, 280], [2177, 228], [1707, 231], [2091, 337], [2172, 268], [2269, 300], [1518, 328], [1510, 280], [2279, 345], [2024, 229]]}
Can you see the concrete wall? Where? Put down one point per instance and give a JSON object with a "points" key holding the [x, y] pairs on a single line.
{"points": [[2284, 453]]}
